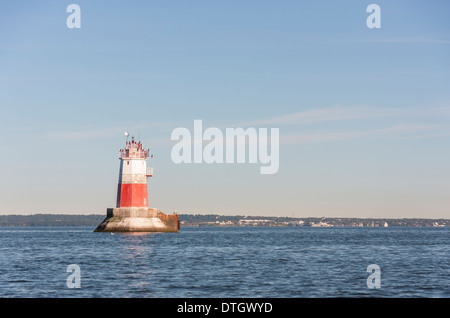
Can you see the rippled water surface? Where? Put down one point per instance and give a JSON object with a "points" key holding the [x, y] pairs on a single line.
{"points": [[225, 262]]}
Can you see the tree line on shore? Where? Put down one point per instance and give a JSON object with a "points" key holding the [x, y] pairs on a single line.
{"points": [[220, 220]]}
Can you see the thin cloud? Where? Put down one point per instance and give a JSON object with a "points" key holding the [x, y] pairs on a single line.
{"points": [[311, 116], [326, 114], [104, 133], [406, 40], [399, 130], [338, 113]]}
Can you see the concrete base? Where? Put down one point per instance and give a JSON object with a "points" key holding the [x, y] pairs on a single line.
{"points": [[138, 220]]}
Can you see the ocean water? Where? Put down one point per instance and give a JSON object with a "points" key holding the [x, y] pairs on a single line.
{"points": [[232, 262]]}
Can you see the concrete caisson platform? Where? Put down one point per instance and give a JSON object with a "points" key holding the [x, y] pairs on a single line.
{"points": [[138, 220]]}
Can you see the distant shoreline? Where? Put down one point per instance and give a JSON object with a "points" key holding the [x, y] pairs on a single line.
{"points": [[193, 220]]}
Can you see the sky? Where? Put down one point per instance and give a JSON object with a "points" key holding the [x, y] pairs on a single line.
{"points": [[363, 113]]}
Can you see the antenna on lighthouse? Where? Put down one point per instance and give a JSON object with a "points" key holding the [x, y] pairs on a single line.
{"points": [[126, 134]]}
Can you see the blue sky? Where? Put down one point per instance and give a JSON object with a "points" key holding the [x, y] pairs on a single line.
{"points": [[364, 114]]}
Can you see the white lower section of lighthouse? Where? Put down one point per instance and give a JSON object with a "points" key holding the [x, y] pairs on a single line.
{"points": [[138, 220]]}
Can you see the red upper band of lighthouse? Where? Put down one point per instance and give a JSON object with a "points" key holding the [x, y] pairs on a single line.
{"points": [[132, 188]]}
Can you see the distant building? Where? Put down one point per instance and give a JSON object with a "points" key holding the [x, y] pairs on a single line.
{"points": [[321, 224]]}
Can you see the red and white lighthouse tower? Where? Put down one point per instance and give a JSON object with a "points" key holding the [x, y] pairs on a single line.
{"points": [[133, 174], [132, 213]]}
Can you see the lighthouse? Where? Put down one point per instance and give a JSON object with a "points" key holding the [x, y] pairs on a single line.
{"points": [[133, 174], [132, 213]]}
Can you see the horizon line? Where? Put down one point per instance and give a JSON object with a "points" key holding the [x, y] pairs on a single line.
{"points": [[243, 215]]}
